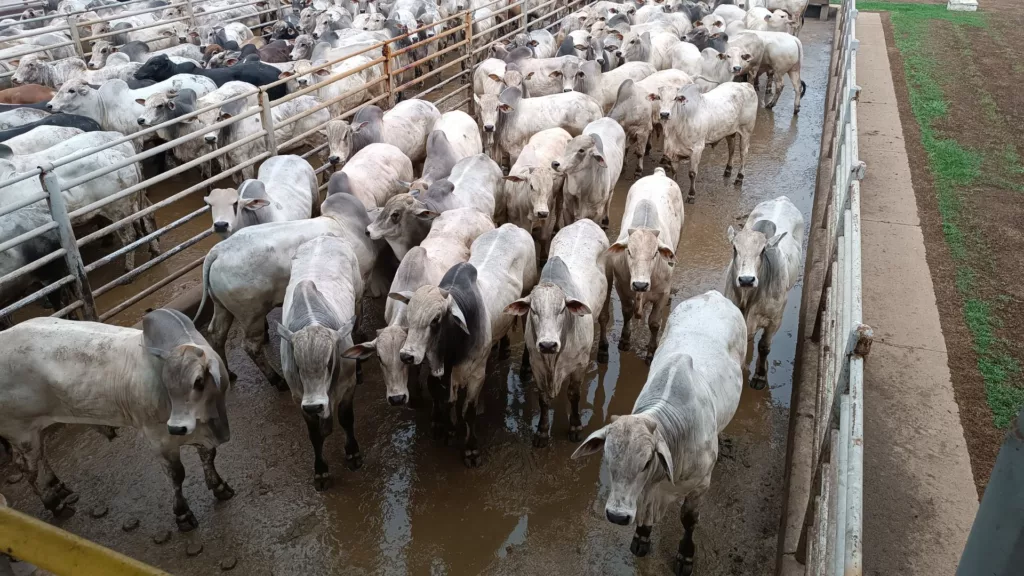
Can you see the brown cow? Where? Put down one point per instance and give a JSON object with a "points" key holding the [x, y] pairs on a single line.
{"points": [[26, 94]]}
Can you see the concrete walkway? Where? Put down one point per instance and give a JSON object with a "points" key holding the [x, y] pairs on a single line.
{"points": [[919, 494]]}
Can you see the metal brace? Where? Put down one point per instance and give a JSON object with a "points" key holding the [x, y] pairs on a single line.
{"points": [[854, 43], [855, 93], [859, 170]]}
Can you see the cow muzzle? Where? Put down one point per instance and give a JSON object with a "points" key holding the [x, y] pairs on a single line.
{"points": [[177, 430], [220, 227], [664, 115], [313, 409], [547, 347], [406, 358], [747, 281], [142, 121], [398, 399], [334, 159], [640, 286], [618, 518], [488, 127]]}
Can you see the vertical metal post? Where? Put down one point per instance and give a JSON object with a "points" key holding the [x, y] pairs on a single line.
{"points": [[73, 259], [524, 6], [191, 13], [467, 21], [390, 87], [75, 36], [267, 116]]}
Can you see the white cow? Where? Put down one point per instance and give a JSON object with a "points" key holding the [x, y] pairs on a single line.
{"points": [[40, 138], [664, 452], [447, 244], [164, 380], [636, 108], [317, 317], [377, 172], [643, 255], [55, 74], [246, 275], [592, 163], [406, 126], [533, 188], [573, 291], [285, 189], [767, 256], [587, 77], [696, 120], [455, 137]]}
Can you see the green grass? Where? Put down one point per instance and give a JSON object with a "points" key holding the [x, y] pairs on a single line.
{"points": [[956, 168]]}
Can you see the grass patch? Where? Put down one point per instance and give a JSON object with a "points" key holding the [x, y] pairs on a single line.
{"points": [[955, 168]]}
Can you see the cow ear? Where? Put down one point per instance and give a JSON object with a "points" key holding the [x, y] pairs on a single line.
{"points": [[158, 352], [722, 56], [494, 77], [511, 178], [6, 153], [255, 203], [285, 74], [403, 296], [774, 240], [667, 253], [283, 332], [213, 366], [730, 233], [528, 76], [600, 159], [519, 307], [140, 101], [231, 62], [576, 308], [617, 248], [425, 214], [358, 127], [457, 315], [592, 445], [361, 351], [664, 456]]}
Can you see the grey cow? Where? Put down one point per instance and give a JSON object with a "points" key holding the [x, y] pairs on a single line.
{"points": [[573, 291], [164, 380], [664, 452], [317, 317]]}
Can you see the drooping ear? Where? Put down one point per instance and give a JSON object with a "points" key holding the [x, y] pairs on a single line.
{"points": [[476, 99], [158, 352], [767, 17], [511, 178], [283, 332], [255, 203], [722, 56], [576, 308], [425, 214], [457, 315], [214, 368], [666, 252], [358, 127], [519, 307], [731, 233], [361, 351], [592, 445], [617, 248], [664, 456], [774, 240], [402, 297], [494, 77], [140, 101]]}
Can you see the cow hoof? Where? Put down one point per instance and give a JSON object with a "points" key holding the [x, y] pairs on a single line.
{"points": [[605, 223], [232, 376], [65, 494], [641, 545], [683, 566], [728, 171], [623, 345], [602, 354], [796, 111], [321, 482], [758, 382], [186, 522], [638, 174], [354, 461], [575, 433], [472, 458], [541, 440], [739, 179], [223, 491], [690, 199]]}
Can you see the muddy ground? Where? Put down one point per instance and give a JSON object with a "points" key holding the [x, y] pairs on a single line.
{"points": [[414, 508]]}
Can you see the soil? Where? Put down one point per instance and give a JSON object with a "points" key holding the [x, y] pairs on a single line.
{"points": [[991, 208]]}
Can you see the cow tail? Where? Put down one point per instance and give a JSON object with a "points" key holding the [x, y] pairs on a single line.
{"points": [[207, 263], [803, 85], [803, 88]]}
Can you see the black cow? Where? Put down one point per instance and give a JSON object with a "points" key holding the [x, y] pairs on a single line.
{"points": [[69, 120], [160, 68]]}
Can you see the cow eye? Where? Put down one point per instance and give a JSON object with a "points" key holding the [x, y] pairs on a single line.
{"points": [[435, 322], [159, 106], [580, 151], [394, 216], [198, 384], [680, 99]]}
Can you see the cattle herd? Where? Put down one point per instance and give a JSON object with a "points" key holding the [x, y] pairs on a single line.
{"points": [[468, 225]]}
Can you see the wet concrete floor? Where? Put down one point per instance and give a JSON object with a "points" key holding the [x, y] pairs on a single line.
{"points": [[414, 508]]}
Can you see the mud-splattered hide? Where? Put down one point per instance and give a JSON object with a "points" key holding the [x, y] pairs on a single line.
{"points": [[194, 376], [403, 222], [636, 454], [548, 306], [755, 258], [644, 249]]}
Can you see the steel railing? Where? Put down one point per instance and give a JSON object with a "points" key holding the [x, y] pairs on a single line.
{"points": [[457, 45], [831, 542]]}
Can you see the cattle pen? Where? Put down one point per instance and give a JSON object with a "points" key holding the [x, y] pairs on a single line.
{"points": [[422, 513]]}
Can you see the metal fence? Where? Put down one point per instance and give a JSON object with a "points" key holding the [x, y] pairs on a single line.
{"points": [[85, 287], [831, 541]]}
